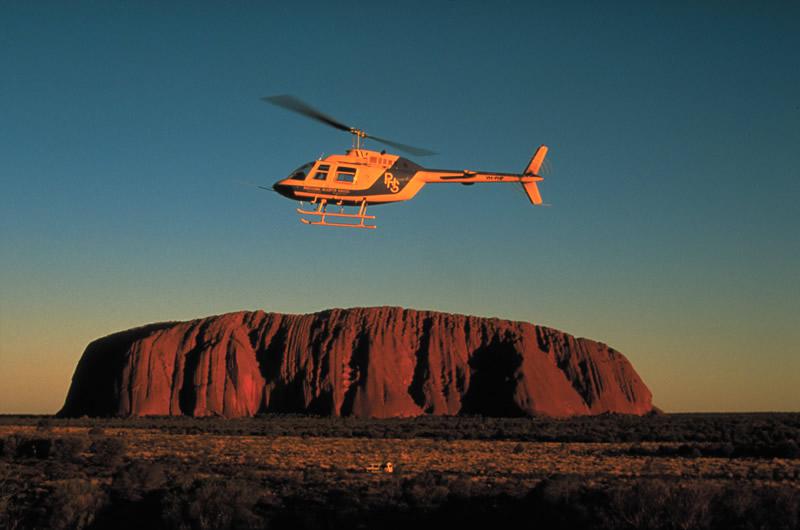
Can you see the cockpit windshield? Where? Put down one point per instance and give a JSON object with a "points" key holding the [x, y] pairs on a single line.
{"points": [[301, 172]]}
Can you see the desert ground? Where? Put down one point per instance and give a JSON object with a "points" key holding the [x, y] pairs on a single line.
{"points": [[331, 473]]}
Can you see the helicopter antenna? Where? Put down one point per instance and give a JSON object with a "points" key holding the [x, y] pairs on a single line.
{"points": [[300, 107]]}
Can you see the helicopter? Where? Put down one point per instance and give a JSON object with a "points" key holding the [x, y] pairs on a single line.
{"points": [[362, 177]]}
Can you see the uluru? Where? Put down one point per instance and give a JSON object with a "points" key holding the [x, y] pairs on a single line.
{"points": [[366, 362]]}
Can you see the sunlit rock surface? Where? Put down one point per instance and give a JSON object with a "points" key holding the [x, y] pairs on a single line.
{"points": [[366, 362]]}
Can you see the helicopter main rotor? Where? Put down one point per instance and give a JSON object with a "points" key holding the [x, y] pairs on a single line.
{"points": [[300, 107]]}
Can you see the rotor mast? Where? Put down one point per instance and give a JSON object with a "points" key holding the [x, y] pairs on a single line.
{"points": [[358, 134]]}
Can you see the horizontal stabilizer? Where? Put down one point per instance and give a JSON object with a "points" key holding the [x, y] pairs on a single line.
{"points": [[532, 191]]}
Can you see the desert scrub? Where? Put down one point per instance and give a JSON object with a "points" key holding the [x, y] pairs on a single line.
{"points": [[73, 504], [108, 451], [213, 504]]}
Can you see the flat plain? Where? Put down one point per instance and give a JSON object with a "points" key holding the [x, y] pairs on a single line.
{"points": [[298, 466]]}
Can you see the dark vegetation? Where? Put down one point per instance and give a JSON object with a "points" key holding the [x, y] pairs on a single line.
{"points": [[751, 433], [759, 448], [60, 481]]}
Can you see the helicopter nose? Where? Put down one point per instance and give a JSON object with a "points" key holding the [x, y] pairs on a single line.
{"points": [[283, 189]]}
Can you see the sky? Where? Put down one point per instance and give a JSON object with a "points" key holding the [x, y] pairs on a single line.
{"points": [[130, 134]]}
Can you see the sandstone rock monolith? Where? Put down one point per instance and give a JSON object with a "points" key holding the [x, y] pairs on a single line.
{"points": [[365, 362]]}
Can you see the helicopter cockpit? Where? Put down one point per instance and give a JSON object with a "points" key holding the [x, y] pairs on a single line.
{"points": [[301, 172]]}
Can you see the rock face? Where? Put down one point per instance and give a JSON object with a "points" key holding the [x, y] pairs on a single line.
{"points": [[367, 362]]}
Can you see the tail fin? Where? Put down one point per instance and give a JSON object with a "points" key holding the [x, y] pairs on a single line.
{"points": [[536, 161], [531, 190]]}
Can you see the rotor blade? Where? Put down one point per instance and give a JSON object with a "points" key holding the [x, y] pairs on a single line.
{"points": [[295, 105], [418, 151]]}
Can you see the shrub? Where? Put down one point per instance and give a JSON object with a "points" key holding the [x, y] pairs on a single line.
{"points": [[313, 475], [8, 446], [70, 448], [12, 515], [727, 450], [560, 502], [108, 452], [73, 504], [787, 449], [461, 487], [96, 431], [134, 481], [425, 489], [689, 451], [34, 448], [770, 507], [213, 504], [645, 504]]}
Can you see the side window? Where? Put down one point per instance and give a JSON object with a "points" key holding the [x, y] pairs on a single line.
{"points": [[345, 174], [322, 172]]}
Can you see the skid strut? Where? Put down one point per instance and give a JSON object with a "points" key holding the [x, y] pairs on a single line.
{"points": [[359, 219]]}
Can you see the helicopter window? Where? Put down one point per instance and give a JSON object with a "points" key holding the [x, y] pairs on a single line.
{"points": [[322, 172], [300, 173], [345, 174]]}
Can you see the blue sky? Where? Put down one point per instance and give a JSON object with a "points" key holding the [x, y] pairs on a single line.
{"points": [[127, 129]]}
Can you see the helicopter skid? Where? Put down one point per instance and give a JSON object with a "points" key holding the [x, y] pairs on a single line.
{"points": [[324, 215], [344, 225]]}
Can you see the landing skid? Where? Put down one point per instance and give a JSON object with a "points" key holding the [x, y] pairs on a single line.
{"points": [[321, 211]]}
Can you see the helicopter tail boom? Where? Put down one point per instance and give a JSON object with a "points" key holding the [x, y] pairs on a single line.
{"points": [[528, 178]]}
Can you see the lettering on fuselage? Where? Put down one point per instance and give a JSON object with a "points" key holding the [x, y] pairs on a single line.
{"points": [[323, 190], [391, 182]]}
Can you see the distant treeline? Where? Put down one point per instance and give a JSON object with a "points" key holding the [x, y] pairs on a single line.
{"points": [[757, 429]]}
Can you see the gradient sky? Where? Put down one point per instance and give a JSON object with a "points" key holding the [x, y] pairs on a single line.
{"points": [[674, 128]]}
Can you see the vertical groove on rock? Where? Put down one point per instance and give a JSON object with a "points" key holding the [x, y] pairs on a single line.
{"points": [[421, 367], [187, 396]]}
